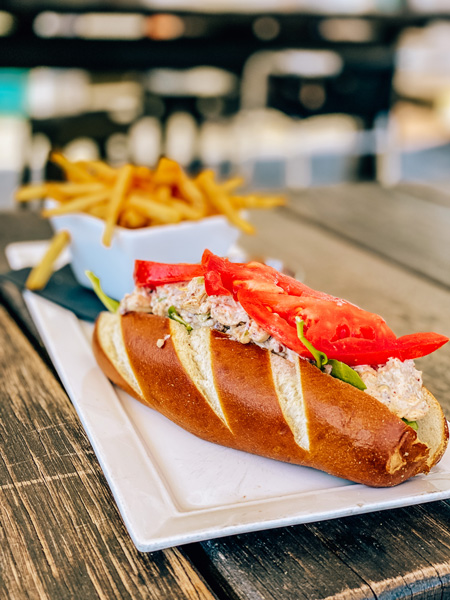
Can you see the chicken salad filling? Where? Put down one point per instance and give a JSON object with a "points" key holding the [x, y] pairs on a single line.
{"points": [[397, 384]]}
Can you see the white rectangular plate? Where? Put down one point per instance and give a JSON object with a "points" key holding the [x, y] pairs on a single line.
{"points": [[172, 488]]}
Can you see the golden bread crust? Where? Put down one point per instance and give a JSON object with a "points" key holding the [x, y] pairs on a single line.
{"points": [[356, 435], [165, 385], [245, 386], [351, 434]]}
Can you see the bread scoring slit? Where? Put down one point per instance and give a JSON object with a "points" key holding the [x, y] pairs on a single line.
{"points": [[194, 351], [111, 339], [287, 382]]}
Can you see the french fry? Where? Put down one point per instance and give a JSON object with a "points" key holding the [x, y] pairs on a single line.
{"points": [[99, 210], [117, 198], [132, 219], [193, 194], [222, 202], [229, 186], [41, 273], [170, 173], [32, 192], [163, 194], [74, 171], [99, 169], [57, 190], [186, 211], [153, 209], [39, 191], [138, 196], [67, 188], [254, 201], [143, 174], [167, 172], [76, 205]]}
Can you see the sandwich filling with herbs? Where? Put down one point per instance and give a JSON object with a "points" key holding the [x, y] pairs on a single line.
{"points": [[253, 303], [396, 383]]}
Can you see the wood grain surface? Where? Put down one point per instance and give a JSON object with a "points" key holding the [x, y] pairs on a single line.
{"points": [[395, 554], [61, 534], [410, 229]]}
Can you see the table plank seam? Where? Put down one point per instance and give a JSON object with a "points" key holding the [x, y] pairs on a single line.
{"points": [[416, 575], [343, 595]]}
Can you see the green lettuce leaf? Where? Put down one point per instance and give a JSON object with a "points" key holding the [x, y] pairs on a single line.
{"points": [[339, 370], [109, 303]]}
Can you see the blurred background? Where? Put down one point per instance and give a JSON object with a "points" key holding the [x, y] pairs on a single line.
{"points": [[289, 93]]}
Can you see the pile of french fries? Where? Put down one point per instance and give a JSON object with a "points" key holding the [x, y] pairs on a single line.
{"points": [[134, 197], [137, 196]]}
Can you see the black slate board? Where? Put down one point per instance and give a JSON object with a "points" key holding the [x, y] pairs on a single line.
{"points": [[63, 289]]}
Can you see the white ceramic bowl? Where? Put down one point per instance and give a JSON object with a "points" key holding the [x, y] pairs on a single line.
{"points": [[183, 242]]}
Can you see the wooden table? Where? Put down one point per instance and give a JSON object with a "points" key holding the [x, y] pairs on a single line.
{"points": [[60, 531]]}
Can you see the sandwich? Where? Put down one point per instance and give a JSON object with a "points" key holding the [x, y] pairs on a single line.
{"points": [[245, 356]]}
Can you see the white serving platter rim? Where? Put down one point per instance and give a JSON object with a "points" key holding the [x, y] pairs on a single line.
{"points": [[172, 488]]}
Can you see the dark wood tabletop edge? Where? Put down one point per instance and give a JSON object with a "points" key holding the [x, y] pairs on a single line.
{"points": [[428, 580], [221, 561], [341, 558], [220, 584]]}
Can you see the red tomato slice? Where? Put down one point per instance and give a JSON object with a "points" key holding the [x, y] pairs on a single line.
{"points": [[339, 328], [291, 286], [231, 273], [416, 345], [151, 274], [332, 319], [278, 327], [350, 350], [214, 285], [354, 351]]}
